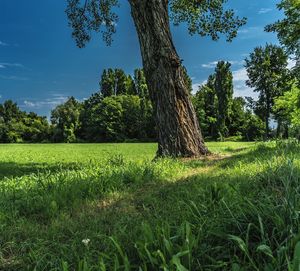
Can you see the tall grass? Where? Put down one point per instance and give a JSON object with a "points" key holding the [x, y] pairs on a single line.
{"points": [[237, 213]]}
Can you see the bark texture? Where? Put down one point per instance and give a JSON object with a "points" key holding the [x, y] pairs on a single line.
{"points": [[179, 133]]}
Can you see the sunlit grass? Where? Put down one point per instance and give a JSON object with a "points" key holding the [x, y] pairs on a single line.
{"points": [[235, 210]]}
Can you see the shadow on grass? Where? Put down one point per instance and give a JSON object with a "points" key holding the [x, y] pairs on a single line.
{"points": [[12, 169], [99, 215]]}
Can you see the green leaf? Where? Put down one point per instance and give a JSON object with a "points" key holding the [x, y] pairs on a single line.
{"points": [[266, 250], [296, 260]]}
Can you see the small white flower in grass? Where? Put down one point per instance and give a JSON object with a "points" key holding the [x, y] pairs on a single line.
{"points": [[86, 241]]}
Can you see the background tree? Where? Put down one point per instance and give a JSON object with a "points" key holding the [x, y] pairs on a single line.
{"points": [[238, 116], [37, 128], [224, 92], [288, 30], [206, 106], [18, 126], [65, 118], [267, 72], [288, 107], [178, 129], [253, 128], [130, 86], [107, 83], [121, 86], [141, 88], [89, 118]]}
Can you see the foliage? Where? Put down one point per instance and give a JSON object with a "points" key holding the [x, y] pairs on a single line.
{"points": [[288, 31], [224, 92], [288, 108], [116, 82], [220, 115], [268, 75], [18, 126], [120, 111], [116, 118], [206, 18], [65, 118]]}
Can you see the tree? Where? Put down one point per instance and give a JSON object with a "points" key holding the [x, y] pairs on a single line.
{"points": [[130, 86], [140, 84], [89, 130], [10, 111], [206, 106], [238, 116], [121, 82], [65, 118], [288, 107], [178, 129], [288, 30], [107, 83], [253, 128], [224, 92], [268, 75], [36, 128], [18, 126]]}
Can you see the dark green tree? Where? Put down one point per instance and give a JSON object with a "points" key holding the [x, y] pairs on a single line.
{"points": [[121, 86], [65, 118], [130, 86], [178, 129], [288, 30], [36, 128], [253, 128], [10, 111], [268, 75], [238, 116], [224, 92], [89, 130], [206, 106], [288, 108], [107, 83], [140, 84], [18, 126]]}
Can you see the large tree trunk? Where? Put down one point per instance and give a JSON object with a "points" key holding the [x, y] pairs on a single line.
{"points": [[178, 128]]}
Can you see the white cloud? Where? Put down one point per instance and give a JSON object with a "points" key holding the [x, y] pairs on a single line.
{"points": [[291, 63], [250, 29], [4, 65], [213, 64], [240, 88], [264, 10], [252, 32], [210, 65], [196, 86], [46, 103], [13, 77], [240, 75], [3, 43]]}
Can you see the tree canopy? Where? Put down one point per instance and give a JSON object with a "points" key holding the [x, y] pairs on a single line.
{"points": [[203, 17], [288, 29], [268, 75]]}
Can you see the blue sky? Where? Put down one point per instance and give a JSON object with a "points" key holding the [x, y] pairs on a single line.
{"points": [[40, 65]]}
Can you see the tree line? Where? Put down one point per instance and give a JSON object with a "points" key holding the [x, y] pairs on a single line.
{"points": [[222, 116], [122, 111]]}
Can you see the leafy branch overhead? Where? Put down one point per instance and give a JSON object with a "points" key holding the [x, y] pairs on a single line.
{"points": [[203, 17]]}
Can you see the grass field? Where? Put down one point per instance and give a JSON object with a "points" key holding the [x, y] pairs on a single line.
{"points": [[111, 207]]}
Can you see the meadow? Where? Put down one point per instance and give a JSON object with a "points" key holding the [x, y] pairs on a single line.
{"points": [[112, 207]]}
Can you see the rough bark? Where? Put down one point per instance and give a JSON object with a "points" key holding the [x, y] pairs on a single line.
{"points": [[179, 133]]}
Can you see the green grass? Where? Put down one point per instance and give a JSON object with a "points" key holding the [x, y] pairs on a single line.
{"points": [[236, 210]]}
